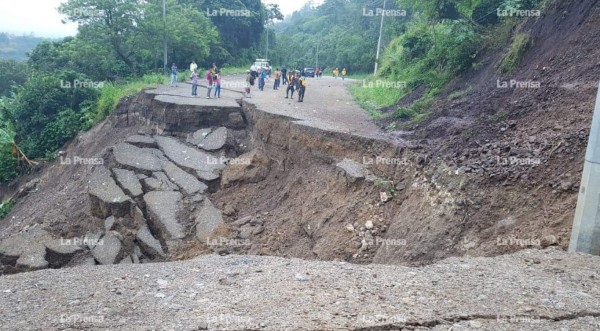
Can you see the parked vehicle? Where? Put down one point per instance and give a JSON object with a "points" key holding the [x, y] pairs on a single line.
{"points": [[264, 64]]}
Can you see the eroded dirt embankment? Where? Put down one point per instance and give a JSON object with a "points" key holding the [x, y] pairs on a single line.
{"points": [[309, 205], [180, 177]]}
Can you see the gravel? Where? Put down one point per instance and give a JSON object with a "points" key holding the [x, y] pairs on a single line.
{"points": [[533, 289]]}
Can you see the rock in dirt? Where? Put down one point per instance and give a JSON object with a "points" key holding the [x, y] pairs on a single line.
{"points": [[549, 240], [106, 196], [385, 196], [355, 171], [141, 141], [148, 244], [107, 251], [215, 140], [163, 207], [129, 181], [242, 221], [208, 218], [188, 183], [136, 158], [251, 167]]}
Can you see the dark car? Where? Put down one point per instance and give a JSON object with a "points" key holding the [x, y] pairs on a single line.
{"points": [[309, 72]]}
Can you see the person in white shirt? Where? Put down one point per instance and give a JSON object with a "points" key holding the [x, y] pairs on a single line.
{"points": [[193, 66]]}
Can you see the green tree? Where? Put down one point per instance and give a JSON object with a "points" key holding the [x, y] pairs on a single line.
{"points": [[12, 73], [340, 30], [133, 31], [48, 112], [240, 34]]}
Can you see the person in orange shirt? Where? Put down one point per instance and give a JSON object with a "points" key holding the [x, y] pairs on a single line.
{"points": [[276, 76]]}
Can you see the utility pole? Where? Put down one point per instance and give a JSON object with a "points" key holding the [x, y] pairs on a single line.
{"points": [[585, 235], [164, 36], [267, 52], [379, 41], [317, 61]]}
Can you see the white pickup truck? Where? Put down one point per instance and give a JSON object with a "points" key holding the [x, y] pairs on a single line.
{"points": [[261, 64]]}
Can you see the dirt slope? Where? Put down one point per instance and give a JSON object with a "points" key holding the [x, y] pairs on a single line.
{"points": [[522, 148]]}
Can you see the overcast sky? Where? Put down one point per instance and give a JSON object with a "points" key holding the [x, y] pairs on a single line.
{"points": [[41, 18]]}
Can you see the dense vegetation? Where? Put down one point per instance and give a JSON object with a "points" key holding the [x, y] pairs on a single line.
{"points": [[425, 44], [342, 32], [444, 39]]}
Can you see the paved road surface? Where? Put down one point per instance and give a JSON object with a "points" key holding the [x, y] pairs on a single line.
{"points": [[327, 104]]}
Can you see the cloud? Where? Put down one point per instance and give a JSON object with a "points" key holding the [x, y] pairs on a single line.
{"points": [[39, 17]]}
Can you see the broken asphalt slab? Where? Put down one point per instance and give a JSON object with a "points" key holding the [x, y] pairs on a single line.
{"points": [[135, 158], [189, 158], [28, 250], [163, 208], [106, 197]]}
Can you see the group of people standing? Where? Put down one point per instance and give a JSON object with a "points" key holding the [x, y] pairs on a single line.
{"points": [[213, 79], [336, 73], [294, 79]]}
